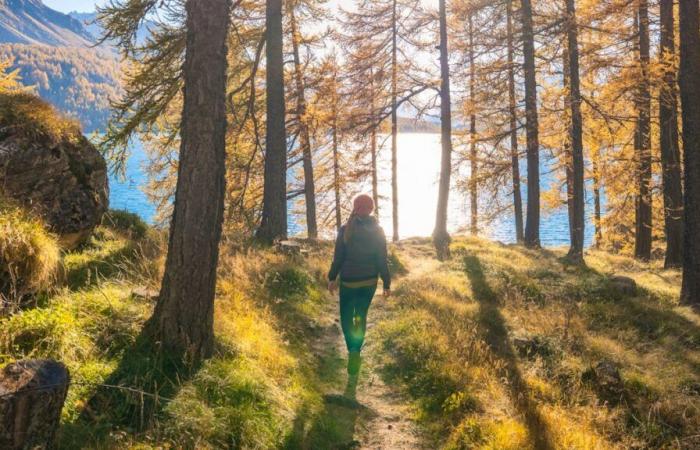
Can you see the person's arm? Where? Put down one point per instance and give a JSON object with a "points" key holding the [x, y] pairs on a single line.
{"points": [[338, 256], [383, 263]]}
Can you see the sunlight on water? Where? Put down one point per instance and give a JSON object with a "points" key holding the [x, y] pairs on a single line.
{"points": [[418, 174]]}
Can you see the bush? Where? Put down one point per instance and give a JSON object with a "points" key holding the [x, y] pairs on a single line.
{"points": [[287, 282], [129, 223], [31, 117], [29, 256]]}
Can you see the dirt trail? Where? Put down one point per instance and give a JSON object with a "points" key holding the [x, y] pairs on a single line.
{"points": [[381, 415]]}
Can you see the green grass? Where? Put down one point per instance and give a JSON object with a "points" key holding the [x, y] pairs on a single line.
{"points": [[494, 345]]}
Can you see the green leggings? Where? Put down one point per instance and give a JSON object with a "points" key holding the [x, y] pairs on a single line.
{"points": [[354, 304]]}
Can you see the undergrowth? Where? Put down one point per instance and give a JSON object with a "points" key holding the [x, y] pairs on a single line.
{"points": [[494, 347]]}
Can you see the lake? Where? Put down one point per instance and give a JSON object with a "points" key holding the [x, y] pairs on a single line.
{"points": [[418, 169]]}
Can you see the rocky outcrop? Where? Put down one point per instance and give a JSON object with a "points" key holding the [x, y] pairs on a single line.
{"points": [[57, 174]]}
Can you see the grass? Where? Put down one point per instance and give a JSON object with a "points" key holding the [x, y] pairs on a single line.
{"points": [[29, 257], [494, 345], [495, 348], [24, 114], [263, 388]]}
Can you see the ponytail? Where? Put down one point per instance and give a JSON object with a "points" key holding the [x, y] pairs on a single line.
{"points": [[349, 228]]}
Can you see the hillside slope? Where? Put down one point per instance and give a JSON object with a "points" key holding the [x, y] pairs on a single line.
{"points": [[32, 22]]}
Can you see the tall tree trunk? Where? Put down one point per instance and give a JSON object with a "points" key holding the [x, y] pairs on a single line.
{"points": [[474, 171], [642, 244], [532, 224], [183, 318], [597, 181], [577, 199], [441, 238], [274, 215], [394, 124], [304, 137], [515, 157], [373, 150], [690, 102], [336, 175], [568, 158], [668, 134]]}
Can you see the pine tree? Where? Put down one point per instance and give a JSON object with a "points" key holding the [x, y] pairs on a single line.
{"points": [[689, 81], [668, 139], [183, 318], [441, 238], [274, 215]]}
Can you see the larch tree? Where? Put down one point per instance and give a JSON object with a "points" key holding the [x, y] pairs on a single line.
{"points": [[689, 81], [668, 138], [532, 223], [441, 238], [473, 161], [182, 321], [274, 214], [642, 139], [577, 198], [513, 122], [381, 34]]}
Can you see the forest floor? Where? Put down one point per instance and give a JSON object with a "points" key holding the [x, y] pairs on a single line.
{"points": [[500, 347]]}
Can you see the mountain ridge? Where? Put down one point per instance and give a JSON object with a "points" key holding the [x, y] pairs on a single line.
{"points": [[32, 22]]}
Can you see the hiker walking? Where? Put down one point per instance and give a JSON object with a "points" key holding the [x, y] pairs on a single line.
{"points": [[360, 258]]}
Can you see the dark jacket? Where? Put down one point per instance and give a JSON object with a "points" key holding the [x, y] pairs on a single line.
{"points": [[364, 257]]}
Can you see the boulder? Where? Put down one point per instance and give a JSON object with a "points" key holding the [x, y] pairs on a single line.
{"points": [[59, 175]]}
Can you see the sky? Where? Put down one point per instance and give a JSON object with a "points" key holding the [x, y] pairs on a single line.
{"points": [[89, 5], [72, 5]]}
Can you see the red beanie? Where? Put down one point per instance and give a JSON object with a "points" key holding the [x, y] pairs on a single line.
{"points": [[363, 205]]}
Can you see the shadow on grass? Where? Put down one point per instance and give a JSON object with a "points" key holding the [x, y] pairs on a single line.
{"points": [[333, 428], [93, 270], [131, 398], [493, 327]]}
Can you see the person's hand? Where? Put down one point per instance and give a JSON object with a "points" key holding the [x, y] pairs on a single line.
{"points": [[387, 293], [332, 286]]}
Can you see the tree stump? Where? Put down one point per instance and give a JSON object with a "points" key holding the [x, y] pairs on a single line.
{"points": [[32, 394]]}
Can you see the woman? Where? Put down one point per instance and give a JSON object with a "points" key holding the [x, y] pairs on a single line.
{"points": [[360, 258]]}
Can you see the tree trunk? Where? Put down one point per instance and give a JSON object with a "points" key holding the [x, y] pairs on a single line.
{"points": [[568, 158], [304, 138], [515, 157], [274, 215], [532, 224], [32, 394], [642, 244], [441, 238], [183, 318], [596, 199], [373, 150], [690, 102], [668, 134], [394, 125], [336, 155], [577, 199], [473, 175]]}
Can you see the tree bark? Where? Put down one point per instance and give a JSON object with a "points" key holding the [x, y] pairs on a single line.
{"points": [[274, 216], [668, 134], [532, 224], [304, 137], [576, 133], [441, 238], [515, 157], [336, 155], [690, 102], [597, 219], [474, 171], [394, 125], [183, 318], [642, 244]]}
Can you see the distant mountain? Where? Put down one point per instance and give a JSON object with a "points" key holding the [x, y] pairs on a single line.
{"points": [[55, 54], [89, 21], [32, 22], [78, 81]]}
